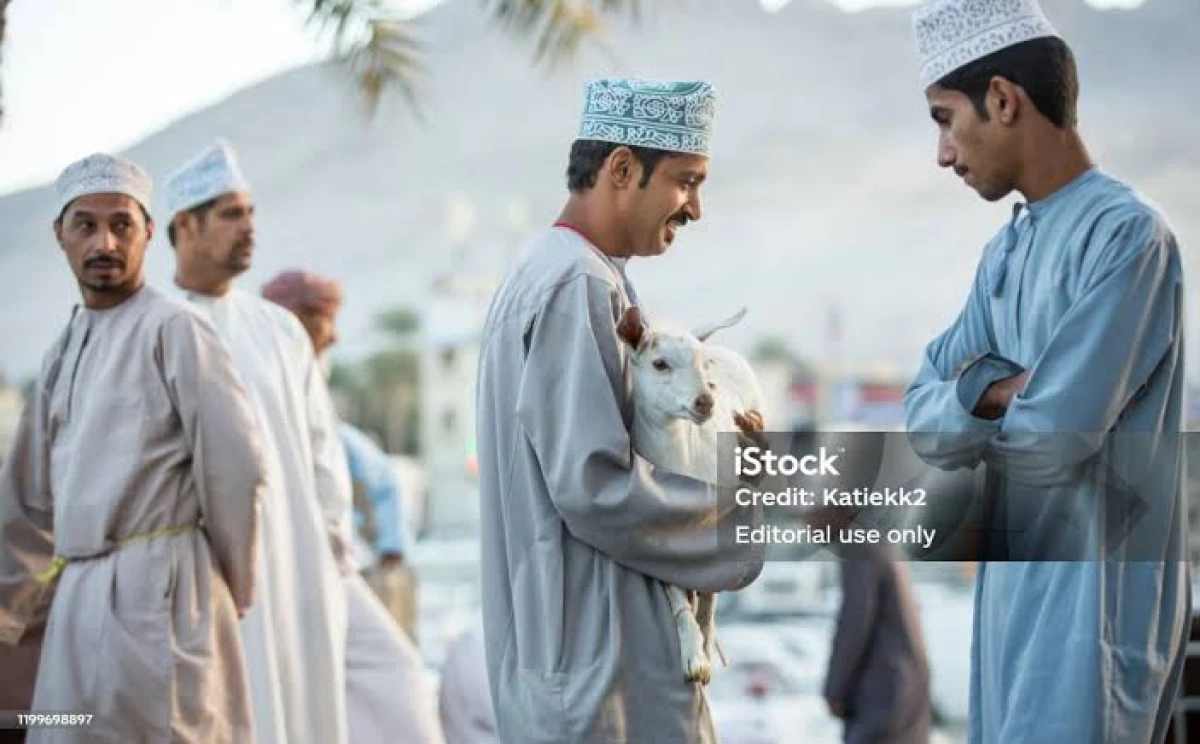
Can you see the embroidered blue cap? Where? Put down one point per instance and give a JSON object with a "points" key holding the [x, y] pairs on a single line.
{"points": [[676, 117]]}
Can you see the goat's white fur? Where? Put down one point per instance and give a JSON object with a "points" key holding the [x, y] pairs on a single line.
{"points": [[672, 369]]}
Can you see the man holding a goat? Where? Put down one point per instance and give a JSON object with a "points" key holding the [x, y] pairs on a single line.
{"points": [[579, 532]]}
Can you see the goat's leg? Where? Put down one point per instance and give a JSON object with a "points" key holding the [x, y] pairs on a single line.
{"points": [[696, 666], [706, 618]]}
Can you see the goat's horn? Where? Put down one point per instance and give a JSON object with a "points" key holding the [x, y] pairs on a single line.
{"points": [[703, 332]]}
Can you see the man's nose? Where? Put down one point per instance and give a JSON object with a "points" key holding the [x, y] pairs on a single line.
{"points": [[945, 153], [694, 209], [106, 242]]}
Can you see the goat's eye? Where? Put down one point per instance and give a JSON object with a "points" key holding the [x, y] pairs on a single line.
{"points": [[661, 365]]}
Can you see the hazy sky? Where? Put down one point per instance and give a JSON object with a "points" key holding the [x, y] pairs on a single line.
{"points": [[179, 55]]}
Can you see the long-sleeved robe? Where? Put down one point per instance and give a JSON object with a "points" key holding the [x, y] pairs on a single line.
{"points": [[1085, 292], [138, 459], [370, 467], [327, 663], [295, 636], [578, 532]]}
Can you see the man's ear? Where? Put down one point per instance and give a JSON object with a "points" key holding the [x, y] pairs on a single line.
{"points": [[183, 223], [631, 329], [149, 230], [58, 226], [1004, 100], [623, 168]]}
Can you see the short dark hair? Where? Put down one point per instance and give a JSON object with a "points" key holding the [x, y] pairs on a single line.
{"points": [[200, 210], [587, 156], [1043, 67]]}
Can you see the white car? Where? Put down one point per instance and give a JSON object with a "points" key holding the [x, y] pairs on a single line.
{"points": [[947, 616], [785, 588], [767, 693], [448, 591], [771, 689]]}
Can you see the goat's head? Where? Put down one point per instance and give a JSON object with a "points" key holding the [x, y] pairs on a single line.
{"points": [[670, 368]]}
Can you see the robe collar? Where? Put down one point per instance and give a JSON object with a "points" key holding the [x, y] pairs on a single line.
{"points": [[1025, 217]]}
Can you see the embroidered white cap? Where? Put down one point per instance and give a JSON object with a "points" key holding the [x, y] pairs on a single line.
{"points": [[953, 33], [209, 174], [101, 173]]}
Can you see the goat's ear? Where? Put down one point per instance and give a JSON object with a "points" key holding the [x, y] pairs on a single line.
{"points": [[704, 332], [631, 329]]}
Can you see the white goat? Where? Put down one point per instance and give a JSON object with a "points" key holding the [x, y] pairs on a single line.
{"points": [[686, 391]]}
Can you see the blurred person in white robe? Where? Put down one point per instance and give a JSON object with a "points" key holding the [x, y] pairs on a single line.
{"points": [[381, 535], [465, 700], [327, 632], [387, 691], [295, 638]]}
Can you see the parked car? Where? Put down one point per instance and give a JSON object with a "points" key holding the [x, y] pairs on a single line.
{"points": [[448, 590], [947, 616], [767, 694], [785, 587]]}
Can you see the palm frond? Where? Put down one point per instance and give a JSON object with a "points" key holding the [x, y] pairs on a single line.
{"points": [[388, 60], [557, 27], [375, 45], [383, 53]]}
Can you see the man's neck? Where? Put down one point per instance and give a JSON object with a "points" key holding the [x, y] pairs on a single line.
{"points": [[598, 231], [94, 300], [1054, 159], [209, 287]]}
